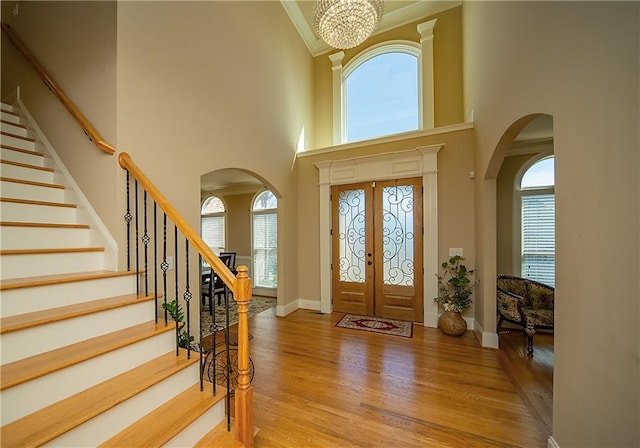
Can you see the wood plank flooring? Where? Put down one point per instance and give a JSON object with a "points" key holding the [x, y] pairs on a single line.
{"points": [[317, 385]]}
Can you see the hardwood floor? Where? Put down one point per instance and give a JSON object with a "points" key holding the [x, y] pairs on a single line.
{"points": [[317, 385], [531, 375]]}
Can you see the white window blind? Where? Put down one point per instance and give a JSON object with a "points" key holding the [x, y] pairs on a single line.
{"points": [[212, 232], [265, 255], [538, 237]]}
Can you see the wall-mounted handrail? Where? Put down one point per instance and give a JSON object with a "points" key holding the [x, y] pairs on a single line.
{"points": [[86, 126]]}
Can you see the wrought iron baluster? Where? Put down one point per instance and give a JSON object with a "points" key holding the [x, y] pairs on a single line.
{"points": [[155, 257], [227, 340], [127, 218], [175, 269], [145, 241], [137, 242], [187, 298], [164, 266]]}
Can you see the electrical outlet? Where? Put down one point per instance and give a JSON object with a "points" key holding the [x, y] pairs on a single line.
{"points": [[170, 263], [453, 251]]}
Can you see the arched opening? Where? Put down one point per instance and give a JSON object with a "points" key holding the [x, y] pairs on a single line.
{"points": [[230, 194], [524, 210]]}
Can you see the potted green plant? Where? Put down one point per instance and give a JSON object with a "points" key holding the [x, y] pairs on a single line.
{"points": [[175, 311], [455, 288]]}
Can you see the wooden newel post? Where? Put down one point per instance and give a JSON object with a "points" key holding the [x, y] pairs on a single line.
{"points": [[244, 392]]}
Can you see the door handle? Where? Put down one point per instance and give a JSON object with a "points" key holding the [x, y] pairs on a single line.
{"points": [[369, 263]]}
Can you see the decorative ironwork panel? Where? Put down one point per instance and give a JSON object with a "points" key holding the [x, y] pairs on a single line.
{"points": [[398, 235], [351, 232]]}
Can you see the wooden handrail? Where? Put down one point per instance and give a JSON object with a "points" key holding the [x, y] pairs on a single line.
{"points": [[86, 126], [221, 269]]}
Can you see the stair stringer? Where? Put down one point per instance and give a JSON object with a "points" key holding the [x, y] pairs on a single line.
{"points": [[99, 235]]}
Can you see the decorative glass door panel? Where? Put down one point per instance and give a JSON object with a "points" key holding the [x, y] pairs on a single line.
{"points": [[351, 235], [352, 273], [397, 235], [377, 249]]}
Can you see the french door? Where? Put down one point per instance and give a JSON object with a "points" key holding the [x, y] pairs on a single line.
{"points": [[377, 249]]}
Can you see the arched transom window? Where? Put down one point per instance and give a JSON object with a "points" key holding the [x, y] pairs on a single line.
{"points": [[382, 93]]}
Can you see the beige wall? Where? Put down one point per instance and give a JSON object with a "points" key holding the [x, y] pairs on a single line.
{"points": [[447, 50], [455, 201], [197, 93], [76, 43], [577, 61]]}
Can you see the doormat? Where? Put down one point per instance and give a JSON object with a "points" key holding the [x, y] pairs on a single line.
{"points": [[377, 325]]}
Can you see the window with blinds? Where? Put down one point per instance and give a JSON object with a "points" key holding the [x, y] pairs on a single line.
{"points": [[538, 238], [538, 222], [212, 223], [265, 241]]}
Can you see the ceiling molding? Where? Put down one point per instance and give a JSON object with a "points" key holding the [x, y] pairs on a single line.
{"points": [[391, 20]]}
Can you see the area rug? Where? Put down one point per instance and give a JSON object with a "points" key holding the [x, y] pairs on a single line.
{"points": [[256, 305], [377, 325]]}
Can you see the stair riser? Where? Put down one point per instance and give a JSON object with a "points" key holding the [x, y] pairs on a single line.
{"points": [[14, 237], [17, 130], [24, 173], [26, 398], [19, 266], [17, 190], [110, 423], [37, 213], [17, 156], [33, 341], [201, 426], [17, 142], [12, 118], [27, 300]]}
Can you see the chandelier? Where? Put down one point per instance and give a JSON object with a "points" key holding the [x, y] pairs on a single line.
{"points": [[346, 23]]}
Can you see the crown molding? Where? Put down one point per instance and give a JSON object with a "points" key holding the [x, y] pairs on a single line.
{"points": [[394, 19]]}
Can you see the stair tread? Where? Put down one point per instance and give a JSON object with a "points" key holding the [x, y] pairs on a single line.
{"points": [[31, 182], [43, 280], [21, 137], [27, 165], [161, 425], [43, 224], [35, 318], [27, 369], [10, 112], [18, 125], [25, 151], [65, 250], [220, 437], [28, 201], [52, 421]]}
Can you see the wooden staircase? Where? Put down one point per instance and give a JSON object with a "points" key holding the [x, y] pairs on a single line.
{"points": [[83, 361]]}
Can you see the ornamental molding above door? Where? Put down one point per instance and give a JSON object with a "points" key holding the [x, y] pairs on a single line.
{"points": [[422, 161]]}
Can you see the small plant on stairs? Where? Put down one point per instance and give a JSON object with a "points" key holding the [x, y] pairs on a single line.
{"points": [[175, 311]]}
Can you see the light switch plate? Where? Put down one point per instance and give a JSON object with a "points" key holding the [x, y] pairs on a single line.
{"points": [[453, 251]]}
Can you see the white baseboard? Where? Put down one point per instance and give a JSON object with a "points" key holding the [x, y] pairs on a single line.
{"points": [[487, 339], [308, 304], [431, 320], [551, 443], [305, 304]]}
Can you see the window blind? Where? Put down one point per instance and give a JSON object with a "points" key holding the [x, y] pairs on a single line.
{"points": [[538, 238], [212, 232], [265, 255]]}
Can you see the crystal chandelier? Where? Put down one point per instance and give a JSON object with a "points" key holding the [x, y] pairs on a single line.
{"points": [[346, 23]]}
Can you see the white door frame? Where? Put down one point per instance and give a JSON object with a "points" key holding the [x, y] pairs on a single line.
{"points": [[422, 161]]}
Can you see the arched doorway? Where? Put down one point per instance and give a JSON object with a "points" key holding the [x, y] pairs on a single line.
{"points": [[525, 147]]}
